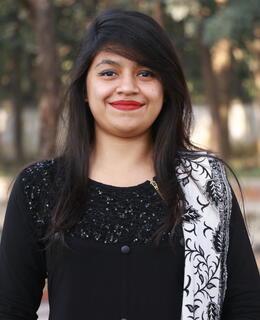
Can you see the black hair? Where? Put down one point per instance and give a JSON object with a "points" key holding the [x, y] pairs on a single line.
{"points": [[138, 37]]}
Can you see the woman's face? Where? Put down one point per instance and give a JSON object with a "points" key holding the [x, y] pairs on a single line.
{"points": [[124, 97]]}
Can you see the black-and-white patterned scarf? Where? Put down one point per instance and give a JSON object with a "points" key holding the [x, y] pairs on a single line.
{"points": [[206, 234]]}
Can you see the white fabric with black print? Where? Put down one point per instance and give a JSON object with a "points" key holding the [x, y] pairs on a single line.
{"points": [[206, 235]]}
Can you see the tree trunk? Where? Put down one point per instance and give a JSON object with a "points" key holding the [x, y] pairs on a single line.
{"points": [[211, 91], [157, 12], [48, 73], [221, 54], [17, 100], [106, 4], [254, 48], [17, 111], [213, 96]]}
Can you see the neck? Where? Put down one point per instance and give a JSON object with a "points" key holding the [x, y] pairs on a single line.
{"points": [[122, 160]]}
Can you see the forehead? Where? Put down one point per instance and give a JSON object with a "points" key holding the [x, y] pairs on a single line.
{"points": [[110, 58]]}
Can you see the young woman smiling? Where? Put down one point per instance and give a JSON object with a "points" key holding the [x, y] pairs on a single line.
{"points": [[131, 221], [125, 99]]}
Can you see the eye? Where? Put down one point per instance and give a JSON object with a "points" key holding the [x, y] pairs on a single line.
{"points": [[107, 73], [146, 74]]}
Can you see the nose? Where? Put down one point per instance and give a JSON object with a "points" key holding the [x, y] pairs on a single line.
{"points": [[127, 85]]}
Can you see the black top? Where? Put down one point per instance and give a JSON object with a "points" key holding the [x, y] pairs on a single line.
{"points": [[110, 268]]}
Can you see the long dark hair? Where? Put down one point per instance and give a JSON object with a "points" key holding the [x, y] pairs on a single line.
{"points": [[138, 37]]}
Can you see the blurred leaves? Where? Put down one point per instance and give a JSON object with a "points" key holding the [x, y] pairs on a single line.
{"points": [[185, 21], [16, 38], [236, 21]]}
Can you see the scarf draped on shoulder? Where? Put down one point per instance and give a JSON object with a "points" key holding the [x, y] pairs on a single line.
{"points": [[206, 235]]}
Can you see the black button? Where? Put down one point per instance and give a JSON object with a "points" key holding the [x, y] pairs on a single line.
{"points": [[182, 241], [123, 319], [125, 249], [56, 236]]}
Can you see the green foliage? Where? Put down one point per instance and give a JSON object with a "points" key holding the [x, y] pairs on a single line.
{"points": [[235, 21], [16, 44]]}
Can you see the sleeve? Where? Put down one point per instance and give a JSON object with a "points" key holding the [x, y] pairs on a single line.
{"points": [[22, 262], [242, 301]]}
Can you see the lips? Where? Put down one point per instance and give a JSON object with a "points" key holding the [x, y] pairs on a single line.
{"points": [[126, 104]]}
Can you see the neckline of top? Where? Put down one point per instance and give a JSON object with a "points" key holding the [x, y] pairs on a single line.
{"points": [[108, 186]]}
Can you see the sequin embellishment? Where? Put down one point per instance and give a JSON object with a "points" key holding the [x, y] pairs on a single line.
{"points": [[112, 214], [36, 181], [121, 214]]}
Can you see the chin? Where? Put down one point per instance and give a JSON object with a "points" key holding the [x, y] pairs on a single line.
{"points": [[128, 132]]}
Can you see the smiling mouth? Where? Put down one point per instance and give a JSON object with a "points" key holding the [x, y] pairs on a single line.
{"points": [[126, 105]]}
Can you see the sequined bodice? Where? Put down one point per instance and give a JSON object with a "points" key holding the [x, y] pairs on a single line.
{"points": [[121, 214], [112, 214]]}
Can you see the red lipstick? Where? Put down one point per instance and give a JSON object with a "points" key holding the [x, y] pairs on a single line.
{"points": [[126, 104]]}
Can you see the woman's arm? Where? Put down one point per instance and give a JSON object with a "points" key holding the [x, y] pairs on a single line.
{"points": [[22, 262], [242, 300]]}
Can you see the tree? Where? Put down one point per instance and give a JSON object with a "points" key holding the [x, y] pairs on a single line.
{"points": [[221, 64], [48, 72], [17, 95], [254, 48], [12, 68], [217, 27], [239, 20], [200, 29]]}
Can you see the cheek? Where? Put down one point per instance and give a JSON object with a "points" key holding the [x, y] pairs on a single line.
{"points": [[155, 88], [98, 95], [98, 91], [155, 95]]}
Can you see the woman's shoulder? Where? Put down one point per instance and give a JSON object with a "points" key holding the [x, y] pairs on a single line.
{"points": [[37, 184], [206, 171], [40, 170], [40, 178], [194, 162], [194, 154], [202, 175], [42, 174], [34, 193]]}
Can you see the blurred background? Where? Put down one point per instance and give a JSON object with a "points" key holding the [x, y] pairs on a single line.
{"points": [[218, 43]]}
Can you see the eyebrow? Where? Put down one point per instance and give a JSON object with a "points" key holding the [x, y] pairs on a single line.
{"points": [[108, 61]]}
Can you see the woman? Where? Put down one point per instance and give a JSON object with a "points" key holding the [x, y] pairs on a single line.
{"points": [[130, 222]]}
